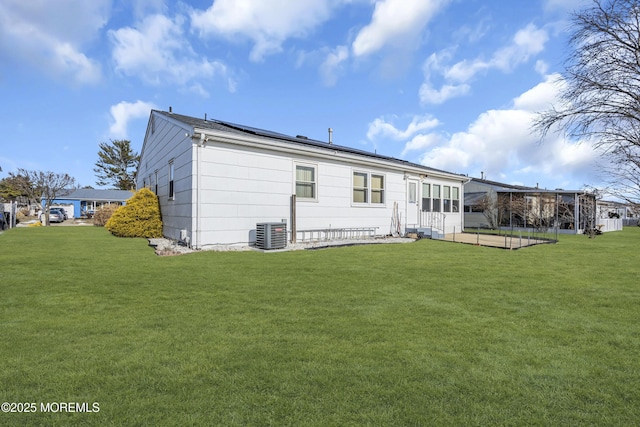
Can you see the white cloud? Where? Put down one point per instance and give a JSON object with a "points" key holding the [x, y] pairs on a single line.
{"points": [[525, 44], [541, 67], [124, 112], [157, 51], [435, 64], [395, 22], [382, 128], [333, 64], [430, 95], [422, 142], [565, 5], [464, 70], [502, 144], [266, 24], [542, 96], [38, 33], [141, 8]]}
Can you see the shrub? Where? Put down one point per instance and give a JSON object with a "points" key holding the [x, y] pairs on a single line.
{"points": [[103, 214], [140, 217]]}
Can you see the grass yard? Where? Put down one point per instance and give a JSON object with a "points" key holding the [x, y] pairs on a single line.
{"points": [[426, 333]]}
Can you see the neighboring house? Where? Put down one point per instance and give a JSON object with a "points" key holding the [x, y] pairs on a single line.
{"points": [[217, 180], [608, 209], [85, 201], [491, 204]]}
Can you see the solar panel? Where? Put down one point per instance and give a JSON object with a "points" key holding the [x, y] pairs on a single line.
{"points": [[296, 140]]}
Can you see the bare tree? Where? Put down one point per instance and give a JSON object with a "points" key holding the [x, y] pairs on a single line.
{"points": [[588, 210], [519, 211], [600, 88], [625, 181], [42, 186], [489, 209], [566, 212]]}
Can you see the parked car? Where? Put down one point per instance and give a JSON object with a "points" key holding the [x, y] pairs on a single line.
{"points": [[55, 215], [64, 213]]}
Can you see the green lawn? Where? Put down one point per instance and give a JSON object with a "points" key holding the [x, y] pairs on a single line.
{"points": [[426, 333]]}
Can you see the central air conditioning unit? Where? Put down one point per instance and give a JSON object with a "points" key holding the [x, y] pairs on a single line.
{"points": [[271, 235]]}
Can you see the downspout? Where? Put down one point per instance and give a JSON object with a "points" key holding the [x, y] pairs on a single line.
{"points": [[199, 146], [576, 213]]}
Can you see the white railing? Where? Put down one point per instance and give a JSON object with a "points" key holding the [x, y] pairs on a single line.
{"points": [[609, 224], [433, 220]]}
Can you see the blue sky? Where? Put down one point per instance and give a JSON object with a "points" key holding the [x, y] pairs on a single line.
{"points": [[451, 84]]}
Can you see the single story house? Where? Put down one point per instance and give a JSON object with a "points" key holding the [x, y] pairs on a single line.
{"points": [[611, 209], [491, 204], [217, 181], [84, 202]]}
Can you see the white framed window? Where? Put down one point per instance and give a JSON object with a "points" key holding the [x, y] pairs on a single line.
{"points": [[446, 198], [155, 191], [455, 199], [436, 198], [171, 181], [306, 182], [368, 188], [413, 192], [377, 189], [426, 197], [360, 187]]}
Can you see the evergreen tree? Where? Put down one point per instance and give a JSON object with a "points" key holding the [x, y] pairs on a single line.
{"points": [[117, 164]]}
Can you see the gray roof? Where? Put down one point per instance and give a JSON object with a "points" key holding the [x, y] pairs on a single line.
{"points": [[223, 126], [511, 188], [474, 198], [98, 195], [502, 184]]}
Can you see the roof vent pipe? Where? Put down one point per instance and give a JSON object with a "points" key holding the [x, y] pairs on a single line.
{"points": [[170, 109], [330, 136], [205, 117]]}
